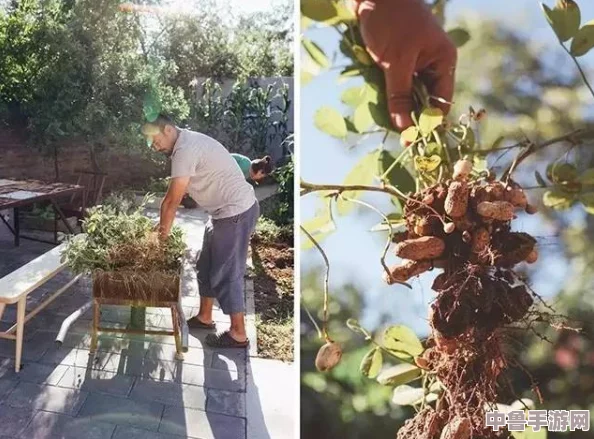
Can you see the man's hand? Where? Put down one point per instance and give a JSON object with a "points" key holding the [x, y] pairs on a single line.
{"points": [[403, 37], [175, 193]]}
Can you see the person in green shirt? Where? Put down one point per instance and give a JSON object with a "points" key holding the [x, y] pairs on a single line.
{"points": [[255, 170]]}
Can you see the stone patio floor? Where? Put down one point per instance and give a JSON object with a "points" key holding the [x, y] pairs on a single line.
{"points": [[133, 387]]}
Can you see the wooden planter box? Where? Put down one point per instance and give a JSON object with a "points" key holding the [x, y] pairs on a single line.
{"points": [[146, 289], [47, 225], [161, 290]]}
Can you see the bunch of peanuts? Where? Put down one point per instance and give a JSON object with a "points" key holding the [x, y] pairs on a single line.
{"points": [[474, 211]]}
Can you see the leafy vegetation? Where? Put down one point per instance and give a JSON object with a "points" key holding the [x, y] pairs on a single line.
{"points": [[117, 240], [85, 69]]}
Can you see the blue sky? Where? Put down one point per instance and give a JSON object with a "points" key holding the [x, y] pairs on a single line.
{"points": [[353, 251]]}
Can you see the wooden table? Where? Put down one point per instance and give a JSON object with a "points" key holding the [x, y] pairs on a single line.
{"points": [[15, 194]]}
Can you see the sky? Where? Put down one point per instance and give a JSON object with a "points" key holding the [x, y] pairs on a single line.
{"points": [[353, 251]]}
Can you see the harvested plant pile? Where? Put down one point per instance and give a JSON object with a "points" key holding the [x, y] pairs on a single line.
{"points": [[123, 246], [463, 227]]}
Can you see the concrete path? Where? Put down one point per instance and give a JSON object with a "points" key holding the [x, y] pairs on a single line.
{"points": [[133, 387]]}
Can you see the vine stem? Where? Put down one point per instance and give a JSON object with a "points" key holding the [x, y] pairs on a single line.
{"points": [[572, 136], [326, 284], [389, 241], [579, 67], [308, 188]]}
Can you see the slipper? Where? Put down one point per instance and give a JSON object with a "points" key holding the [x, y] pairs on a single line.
{"points": [[197, 324], [224, 340]]}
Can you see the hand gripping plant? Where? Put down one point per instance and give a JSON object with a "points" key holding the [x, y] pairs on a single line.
{"points": [[456, 217]]}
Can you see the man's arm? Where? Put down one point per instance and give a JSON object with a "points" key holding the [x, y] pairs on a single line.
{"points": [[175, 193]]}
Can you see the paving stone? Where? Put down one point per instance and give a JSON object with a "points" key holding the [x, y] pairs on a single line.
{"points": [[14, 420], [169, 393], [182, 373], [201, 425], [228, 359], [159, 351], [7, 368], [226, 403], [42, 373], [125, 362], [137, 433], [48, 398], [7, 385], [47, 425], [98, 381], [33, 348], [122, 411]]}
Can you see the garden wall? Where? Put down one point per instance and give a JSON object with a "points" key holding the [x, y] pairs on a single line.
{"points": [[18, 160]]}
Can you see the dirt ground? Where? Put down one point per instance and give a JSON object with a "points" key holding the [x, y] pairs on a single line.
{"points": [[274, 293]]}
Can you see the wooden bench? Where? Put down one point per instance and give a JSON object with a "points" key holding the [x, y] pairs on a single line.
{"points": [[16, 286]]}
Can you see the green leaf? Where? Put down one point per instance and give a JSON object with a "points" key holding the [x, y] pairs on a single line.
{"points": [[362, 174], [459, 36], [380, 115], [427, 164], [362, 118], [350, 125], [409, 136], [541, 181], [587, 177], [362, 56], [353, 96], [316, 53], [584, 40], [557, 199], [319, 10], [398, 176], [383, 226], [372, 363], [430, 119], [399, 374], [319, 227], [306, 77], [432, 148], [587, 200], [407, 395], [561, 172], [404, 339], [564, 18], [349, 72], [330, 121]]}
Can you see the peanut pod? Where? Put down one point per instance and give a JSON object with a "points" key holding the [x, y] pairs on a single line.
{"points": [[456, 201], [496, 210], [402, 273], [480, 240], [418, 249]]}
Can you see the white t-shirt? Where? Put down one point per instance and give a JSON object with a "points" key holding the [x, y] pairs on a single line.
{"points": [[216, 182]]}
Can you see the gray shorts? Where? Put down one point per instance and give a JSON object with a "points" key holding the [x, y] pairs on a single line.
{"points": [[221, 265]]}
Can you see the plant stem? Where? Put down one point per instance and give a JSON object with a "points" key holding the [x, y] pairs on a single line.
{"points": [[326, 284], [572, 136], [388, 243], [582, 73], [394, 163]]}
